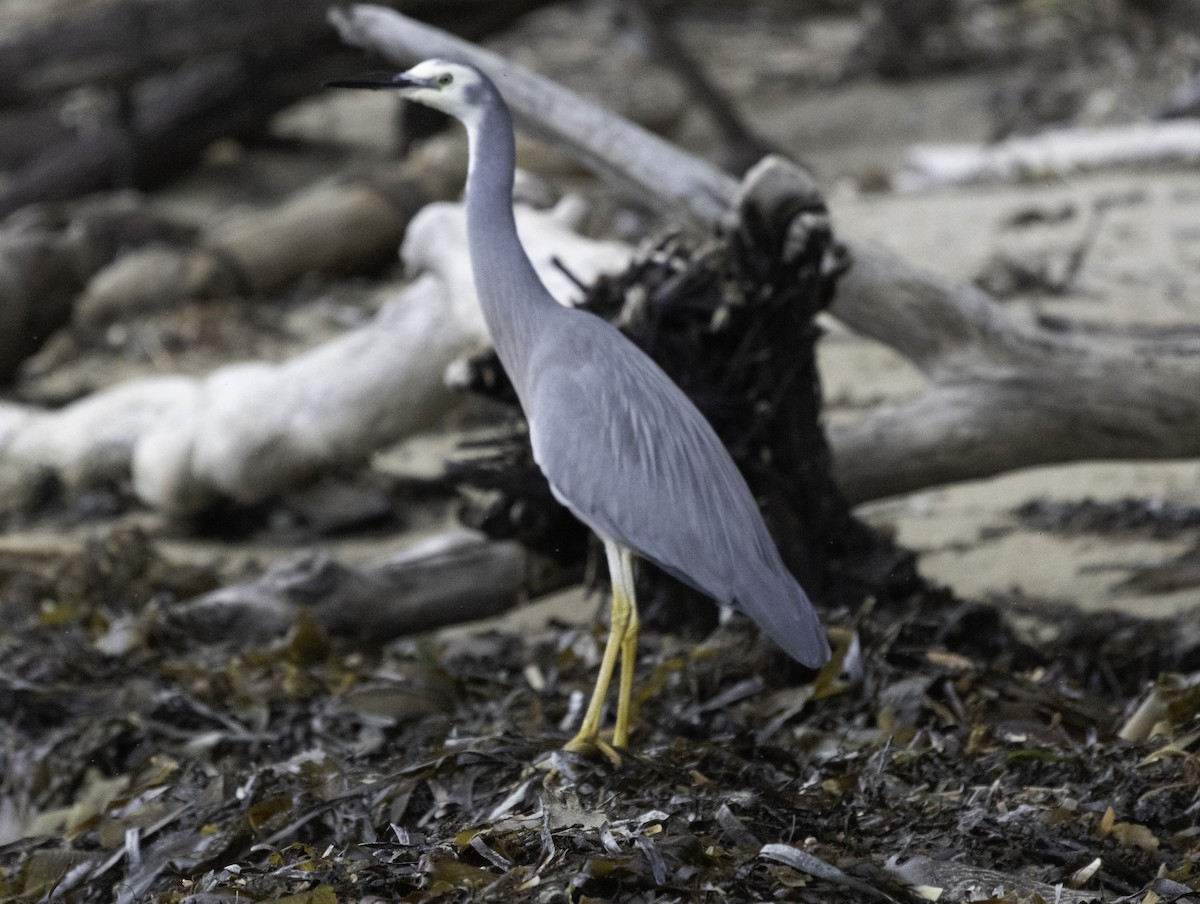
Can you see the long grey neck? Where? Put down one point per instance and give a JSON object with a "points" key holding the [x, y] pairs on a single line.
{"points": [[513, 298]]}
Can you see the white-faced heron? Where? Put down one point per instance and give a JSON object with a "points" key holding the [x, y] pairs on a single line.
{"points": [[623, 448]]}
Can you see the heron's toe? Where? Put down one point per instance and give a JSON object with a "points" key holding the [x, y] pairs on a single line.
{"points": [[590, 746]]}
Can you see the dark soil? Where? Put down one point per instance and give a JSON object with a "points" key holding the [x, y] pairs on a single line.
{"points": [[942, 738]]}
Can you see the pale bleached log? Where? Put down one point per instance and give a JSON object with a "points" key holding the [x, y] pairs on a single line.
{"points": [[248, 431], [1002, 394], [451, 577], [1054, 154], [92, 439], [259, 428]]}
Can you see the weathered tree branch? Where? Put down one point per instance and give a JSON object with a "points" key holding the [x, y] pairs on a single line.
{"points": [[248, 431], [687, 187], [1058, 153], [448, 578], [1002, 394]]}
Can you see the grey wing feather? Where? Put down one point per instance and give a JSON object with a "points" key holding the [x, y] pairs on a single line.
{"points": [[629, 454]]}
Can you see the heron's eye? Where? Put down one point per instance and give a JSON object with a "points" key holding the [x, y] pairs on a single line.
{"points": [[445, 79]]}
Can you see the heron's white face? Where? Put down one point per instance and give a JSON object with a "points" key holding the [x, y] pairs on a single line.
{"points": [[449, 87]]}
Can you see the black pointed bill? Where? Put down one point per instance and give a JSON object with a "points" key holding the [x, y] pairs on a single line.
{"points": [[379, 80]]}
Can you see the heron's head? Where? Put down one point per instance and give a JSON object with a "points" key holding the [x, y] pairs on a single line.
{"points": [[453, 88]]}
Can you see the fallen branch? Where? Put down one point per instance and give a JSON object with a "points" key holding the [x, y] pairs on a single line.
{"points": [[1005, 395], [1056, 154], [259, 428], [91, 440], [649, 167], [1002, 394], [449, 578], [248, 431]]}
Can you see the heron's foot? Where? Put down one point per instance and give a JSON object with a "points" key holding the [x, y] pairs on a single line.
{"points": [[590, 744]]}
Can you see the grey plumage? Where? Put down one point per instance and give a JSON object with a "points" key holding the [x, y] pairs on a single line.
{"points": [[635, 461], [622, 446]]}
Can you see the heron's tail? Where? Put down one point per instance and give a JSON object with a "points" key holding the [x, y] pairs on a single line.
{"points": [[781, 608]]}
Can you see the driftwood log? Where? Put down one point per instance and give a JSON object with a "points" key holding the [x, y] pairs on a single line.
{"points": [[255, 429], [1002, 394], [89, 441], [448, 578], [248, 431], [1055, 154]]}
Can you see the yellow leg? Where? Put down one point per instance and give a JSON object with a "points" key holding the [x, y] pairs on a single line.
{"points": [[622, 641], [628, 653]]}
